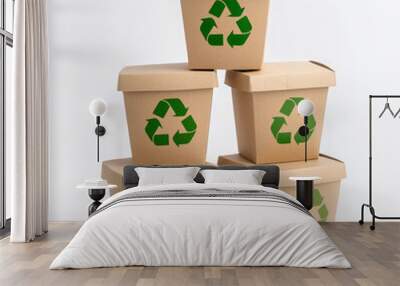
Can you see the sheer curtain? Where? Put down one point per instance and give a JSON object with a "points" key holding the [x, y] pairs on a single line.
{"points": [[28, 162]]}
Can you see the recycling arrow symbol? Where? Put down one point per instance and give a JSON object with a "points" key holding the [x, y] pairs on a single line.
{"points": [[160, 111], [318, 201], [236, 11], [280, 121]]}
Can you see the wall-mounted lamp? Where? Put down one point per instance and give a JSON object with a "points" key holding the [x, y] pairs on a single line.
{"points": [[305, 108], [97, 108]]}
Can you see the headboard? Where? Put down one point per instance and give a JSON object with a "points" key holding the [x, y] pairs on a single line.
{"points": [[271, 177]]}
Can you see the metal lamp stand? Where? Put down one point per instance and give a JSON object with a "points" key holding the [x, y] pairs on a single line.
{"points": [[307, 131], [100, 131], [370, 204], [304, 131]]}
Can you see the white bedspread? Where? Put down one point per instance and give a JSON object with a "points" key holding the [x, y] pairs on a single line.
{"points": [[200, 231]]}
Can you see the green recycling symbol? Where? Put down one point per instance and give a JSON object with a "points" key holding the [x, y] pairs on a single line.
{"points": [[236, 11], [160, 111], [318, 201], [279, 122]]}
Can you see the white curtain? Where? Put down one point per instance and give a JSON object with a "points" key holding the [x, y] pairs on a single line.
{"points": [[28, 161]]}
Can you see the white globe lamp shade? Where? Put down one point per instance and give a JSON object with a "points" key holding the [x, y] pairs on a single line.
{"points": [[306, 107], [97, 107]]}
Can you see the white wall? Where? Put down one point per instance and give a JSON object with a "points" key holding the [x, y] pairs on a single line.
{"points": [[91, 40]]}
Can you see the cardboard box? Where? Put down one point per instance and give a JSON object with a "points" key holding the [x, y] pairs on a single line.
{"points": [[168, 112], [225, 34], [113, 171], [266, 116], [326, 191]]}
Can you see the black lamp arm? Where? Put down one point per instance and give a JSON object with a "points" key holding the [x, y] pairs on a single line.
{"points": [[100, 130]]}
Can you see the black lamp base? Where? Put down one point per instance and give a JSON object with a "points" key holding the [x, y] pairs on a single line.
{"points": [[96, 195], [304, 131], [100, 130], [304, 193]]}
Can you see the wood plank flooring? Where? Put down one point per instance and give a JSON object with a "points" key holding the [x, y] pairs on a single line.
{"points": [[375, 257]]}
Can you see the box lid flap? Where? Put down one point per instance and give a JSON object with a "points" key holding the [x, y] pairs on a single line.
{"points": [[282, 76], [117, 165], [165, 77], [326, 167]]}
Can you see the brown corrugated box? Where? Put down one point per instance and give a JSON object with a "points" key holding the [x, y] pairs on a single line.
{"points": [[113, 171], [225, 34], [326, 190], [261, 100], [168, 112]]}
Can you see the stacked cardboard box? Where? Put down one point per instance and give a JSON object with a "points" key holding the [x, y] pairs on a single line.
{"points": [[113, 171], [326, 191], [168, 106], [225, 34], [168, 112]]}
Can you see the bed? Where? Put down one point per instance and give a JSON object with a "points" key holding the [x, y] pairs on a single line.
{"points": [[201, 224]]}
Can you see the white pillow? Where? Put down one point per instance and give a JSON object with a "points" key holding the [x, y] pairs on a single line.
{"points": [[166, 176], [246, 177]]}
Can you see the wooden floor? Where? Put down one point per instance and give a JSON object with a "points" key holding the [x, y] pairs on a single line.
{"points": [[375, 257]]}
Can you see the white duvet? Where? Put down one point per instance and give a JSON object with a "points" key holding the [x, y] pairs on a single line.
{"points": [[200, 232]]}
